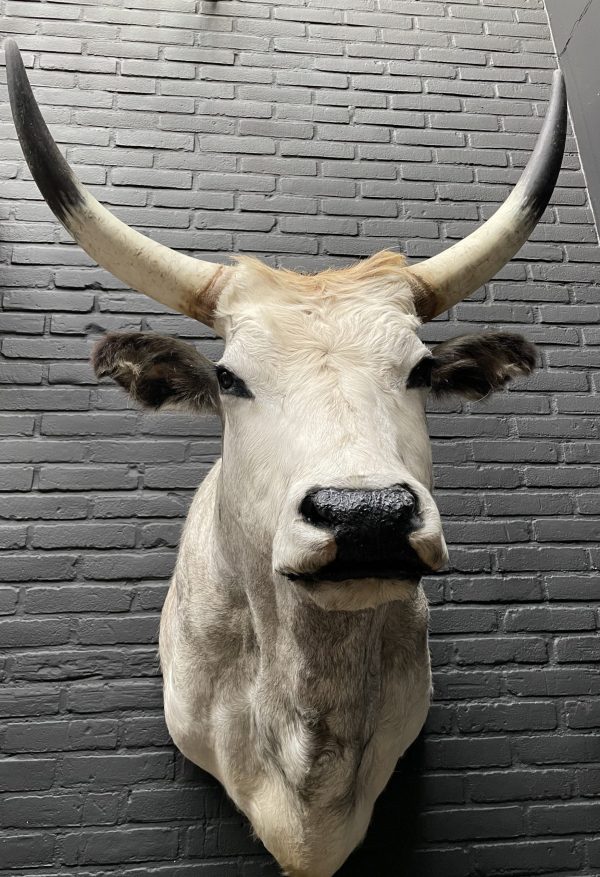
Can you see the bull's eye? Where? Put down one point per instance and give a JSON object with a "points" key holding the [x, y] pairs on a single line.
{"points": [[230, 384], [420, 375], [226, 378]]}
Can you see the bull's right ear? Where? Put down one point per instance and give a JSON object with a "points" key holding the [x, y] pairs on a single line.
{"points": [[158, 371]]}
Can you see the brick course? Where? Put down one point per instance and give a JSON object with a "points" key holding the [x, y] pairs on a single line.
{"points": [[309, 135]]}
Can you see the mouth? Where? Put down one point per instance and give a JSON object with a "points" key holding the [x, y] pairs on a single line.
{"points": [[405, 568]]}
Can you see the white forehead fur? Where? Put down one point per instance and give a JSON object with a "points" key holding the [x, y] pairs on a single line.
{"points": [[359, 317]]}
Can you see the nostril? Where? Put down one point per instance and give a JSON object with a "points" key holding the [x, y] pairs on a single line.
{"points": [[402, 501], [310, 511]]}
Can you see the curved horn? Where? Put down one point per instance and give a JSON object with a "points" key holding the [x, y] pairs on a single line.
{"points": [[181, 282], [454, 274]]}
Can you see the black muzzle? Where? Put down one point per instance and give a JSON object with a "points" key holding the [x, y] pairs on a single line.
{"points": [[371, 530]]}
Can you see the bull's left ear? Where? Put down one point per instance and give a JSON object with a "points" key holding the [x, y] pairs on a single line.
{"points": [[158, 371], [475, 365]]}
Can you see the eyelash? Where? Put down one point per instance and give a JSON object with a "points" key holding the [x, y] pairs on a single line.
{"points": [[235, 387]]}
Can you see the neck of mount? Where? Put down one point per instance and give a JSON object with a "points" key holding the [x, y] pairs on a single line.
{"points": [[324, 660]]}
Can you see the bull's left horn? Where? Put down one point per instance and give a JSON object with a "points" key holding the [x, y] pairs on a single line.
{"points": [[454, 274], [187, 285]]}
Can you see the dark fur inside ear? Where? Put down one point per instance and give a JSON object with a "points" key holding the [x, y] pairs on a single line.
{"points": [[475, 365], [157, 370]]}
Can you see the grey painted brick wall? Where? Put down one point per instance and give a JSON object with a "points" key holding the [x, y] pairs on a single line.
{"points": [[309, 134]]}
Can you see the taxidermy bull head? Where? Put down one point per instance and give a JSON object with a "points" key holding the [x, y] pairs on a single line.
{"points": [[293, 639]]}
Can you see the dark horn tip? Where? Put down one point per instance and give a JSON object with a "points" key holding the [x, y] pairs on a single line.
{"points": [[540, 176], [559, 89], [14, 63], [52, 174]]}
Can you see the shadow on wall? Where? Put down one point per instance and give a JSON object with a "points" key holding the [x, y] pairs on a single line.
{"points": [[393, 835], [387, 850]]}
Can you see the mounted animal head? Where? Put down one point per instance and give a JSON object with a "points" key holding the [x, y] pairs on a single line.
{"points": [[322, 386]]}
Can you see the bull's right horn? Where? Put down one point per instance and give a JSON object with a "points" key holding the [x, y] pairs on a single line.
{"points": [[181, 282]]}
